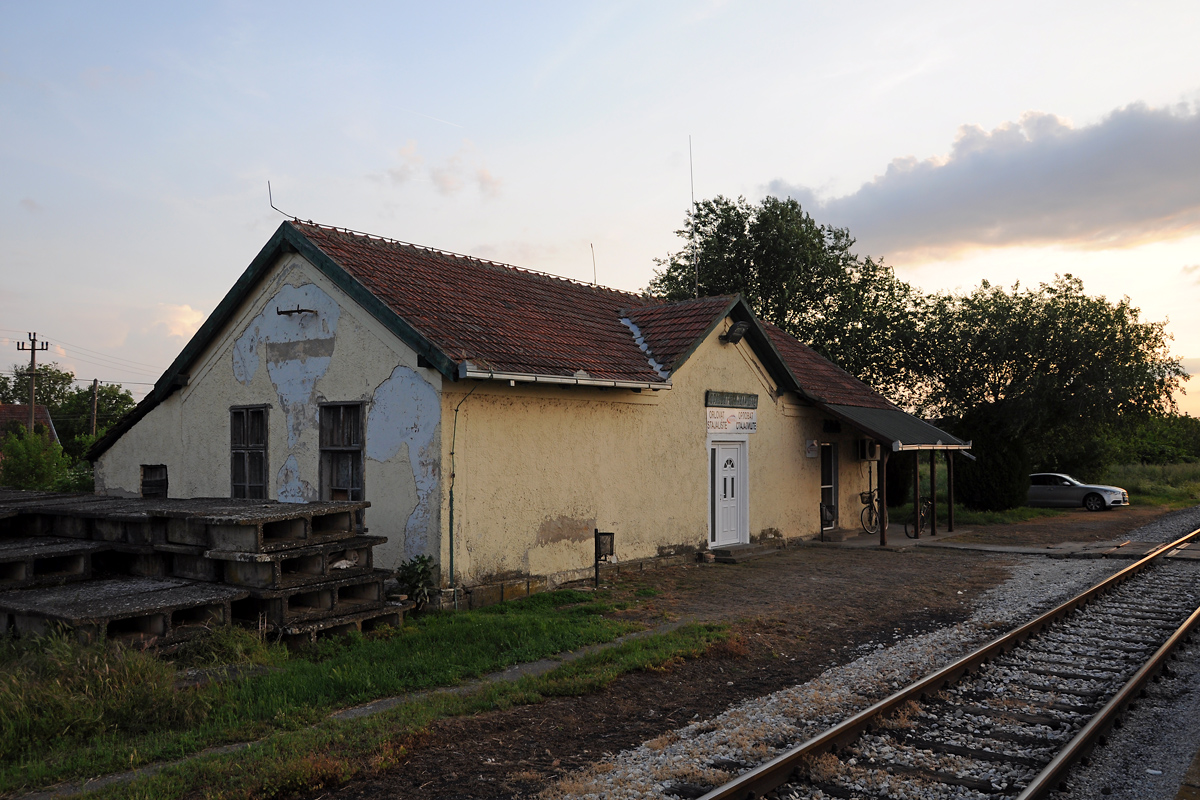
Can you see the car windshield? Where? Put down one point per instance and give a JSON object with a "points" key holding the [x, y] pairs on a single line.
{"points": [[1072, 480]]}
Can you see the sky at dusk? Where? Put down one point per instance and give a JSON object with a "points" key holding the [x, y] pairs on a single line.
{"points": [[957, 141]]}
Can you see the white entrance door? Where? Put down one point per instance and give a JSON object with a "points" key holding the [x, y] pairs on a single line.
{"points": [[729, 490]]}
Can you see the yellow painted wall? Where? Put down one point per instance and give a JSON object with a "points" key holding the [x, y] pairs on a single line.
{"points": [[537, 468]]}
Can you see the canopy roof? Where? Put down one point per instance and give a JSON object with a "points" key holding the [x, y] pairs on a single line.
{"points": [[903, 431]]}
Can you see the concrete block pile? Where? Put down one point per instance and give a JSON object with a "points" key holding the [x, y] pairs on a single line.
{"points": [[155, 572]]}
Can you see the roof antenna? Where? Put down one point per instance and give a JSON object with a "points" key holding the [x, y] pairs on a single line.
{"points": [[271, 200], [593, 262], [692, 178]]}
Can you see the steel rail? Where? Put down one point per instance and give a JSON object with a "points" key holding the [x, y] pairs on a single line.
{"points": [[1051, 777], [772, 774]]}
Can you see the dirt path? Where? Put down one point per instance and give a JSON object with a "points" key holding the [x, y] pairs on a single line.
{"points": [[793, 615], [1075, 525]]}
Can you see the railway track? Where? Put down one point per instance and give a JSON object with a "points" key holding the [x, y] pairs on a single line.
{"points": [[1010, 719]]}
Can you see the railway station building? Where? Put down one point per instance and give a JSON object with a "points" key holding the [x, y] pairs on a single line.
{"points": [[495, 417]]}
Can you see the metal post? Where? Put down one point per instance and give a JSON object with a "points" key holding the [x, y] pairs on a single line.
{"points": [[95, 397], [33, 349], [883, 514], [933, 492], [917, 493], [950, 490]]}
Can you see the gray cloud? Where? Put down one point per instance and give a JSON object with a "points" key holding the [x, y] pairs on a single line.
{"points": [[1131, 177], [31, 205]]}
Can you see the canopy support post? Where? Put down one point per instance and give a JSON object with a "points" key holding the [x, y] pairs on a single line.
{"points": [[933, 492], [917, 494], [883, 512], [950, 490]]}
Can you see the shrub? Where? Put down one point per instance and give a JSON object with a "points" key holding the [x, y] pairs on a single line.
{"points": [[32, 461], [415, 577]]}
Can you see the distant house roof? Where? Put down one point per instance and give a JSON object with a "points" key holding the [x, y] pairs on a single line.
{"points": [[473, 318], [15, 412]]}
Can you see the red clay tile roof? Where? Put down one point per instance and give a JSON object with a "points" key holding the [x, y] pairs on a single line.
{"points": [[13, 412], [498, 317], [505, 319], [671, 330], [820, 378]]}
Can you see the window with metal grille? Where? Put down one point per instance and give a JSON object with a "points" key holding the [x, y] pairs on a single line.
{"points": [[154, 480], [341, 451], [248, 452]]}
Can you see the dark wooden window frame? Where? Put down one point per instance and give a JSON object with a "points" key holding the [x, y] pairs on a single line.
{"points": [[246, 450], [155, 486], [343, 439]]}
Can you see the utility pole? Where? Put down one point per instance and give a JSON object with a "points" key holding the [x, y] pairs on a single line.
{"points": [[95, 397], [33, 347]]}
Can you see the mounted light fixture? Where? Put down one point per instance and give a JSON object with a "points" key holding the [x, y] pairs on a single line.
{"points": [[735, 333]]}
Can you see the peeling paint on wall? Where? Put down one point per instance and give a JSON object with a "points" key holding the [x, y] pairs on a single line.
{"points": [[292, 489], [405, 411], [566, 529], [299, 348]]}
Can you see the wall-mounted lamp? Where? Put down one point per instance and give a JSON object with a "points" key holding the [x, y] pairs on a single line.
{"points": [[735, 333]]}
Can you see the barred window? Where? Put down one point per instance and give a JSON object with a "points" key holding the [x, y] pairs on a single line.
{"points": [[248, 452], [341, 451]]}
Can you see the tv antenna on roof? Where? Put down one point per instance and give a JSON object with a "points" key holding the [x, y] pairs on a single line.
{"points": [[593, 263], [692, 214], [271, 200]]}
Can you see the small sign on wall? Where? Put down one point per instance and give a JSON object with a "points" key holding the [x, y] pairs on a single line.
{"points": [[812, 448], [732, 420]]}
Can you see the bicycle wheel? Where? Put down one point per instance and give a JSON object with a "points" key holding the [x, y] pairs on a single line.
{"points": [[912, 529], [870, 520]]}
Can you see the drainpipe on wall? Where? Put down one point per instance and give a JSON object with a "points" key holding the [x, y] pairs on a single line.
{"points": [[453, 441]]}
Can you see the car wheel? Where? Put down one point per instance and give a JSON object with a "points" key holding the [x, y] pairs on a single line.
{"points": [[1093, 502]]}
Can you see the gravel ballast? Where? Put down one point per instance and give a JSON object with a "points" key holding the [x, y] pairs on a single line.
{"points": [[711, 751]]}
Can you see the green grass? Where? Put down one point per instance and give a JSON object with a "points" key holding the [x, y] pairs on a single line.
{"points": [[967, 516], [121, 710], [334, 751], [1175, 485]]}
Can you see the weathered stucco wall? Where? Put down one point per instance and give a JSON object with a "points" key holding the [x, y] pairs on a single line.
{"points": [[292, 363], [538, 468]]}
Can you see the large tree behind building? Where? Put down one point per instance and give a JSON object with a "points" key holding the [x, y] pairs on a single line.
{"points": [[800, 275], [1052, 372]]}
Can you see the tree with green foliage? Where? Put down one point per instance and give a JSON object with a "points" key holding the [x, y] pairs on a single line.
{"points": [[70, 406], [800, 275], [1052, 369], [33, 461], [53, 385]]}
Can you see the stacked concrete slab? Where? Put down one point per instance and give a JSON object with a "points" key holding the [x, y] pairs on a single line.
{"points": [[157, 571]]}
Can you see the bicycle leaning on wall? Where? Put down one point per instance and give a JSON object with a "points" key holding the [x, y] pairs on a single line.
{"points": [[870, 512]]}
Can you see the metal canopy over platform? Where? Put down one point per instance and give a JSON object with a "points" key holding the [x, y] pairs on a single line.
{"points": [[902, 431]]}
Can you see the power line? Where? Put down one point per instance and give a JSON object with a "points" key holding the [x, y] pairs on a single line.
{"points": [[127, 361]]}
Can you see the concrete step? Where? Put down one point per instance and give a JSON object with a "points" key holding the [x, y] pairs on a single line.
{"points": [[737, 553]]}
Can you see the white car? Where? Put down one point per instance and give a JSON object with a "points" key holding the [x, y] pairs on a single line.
{"points": [[1055, 490]]}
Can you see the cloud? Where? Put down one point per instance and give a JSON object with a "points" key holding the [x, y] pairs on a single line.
{"points": [[178, 321], [1130, 178], [448, 178], [410, 162], [489, 184], [1191, 271], [30, 205]]}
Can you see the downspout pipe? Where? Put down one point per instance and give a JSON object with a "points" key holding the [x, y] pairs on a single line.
{"points": [[453, 442]]}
